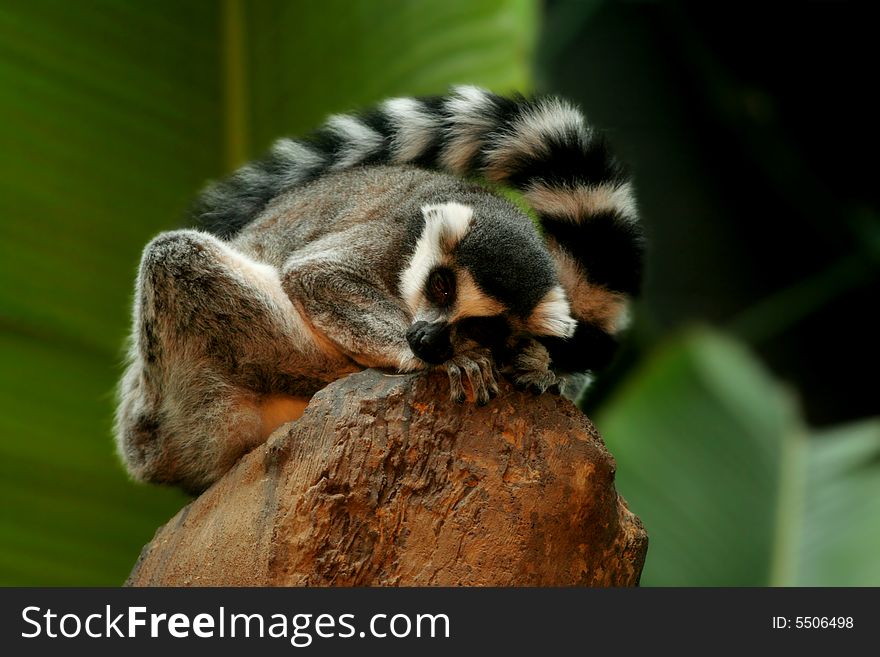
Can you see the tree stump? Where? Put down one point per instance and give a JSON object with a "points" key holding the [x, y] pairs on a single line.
{"points": [[385, 482]]}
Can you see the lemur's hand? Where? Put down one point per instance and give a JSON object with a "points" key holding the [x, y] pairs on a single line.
{"points": [[478, 366], [530, 369]]}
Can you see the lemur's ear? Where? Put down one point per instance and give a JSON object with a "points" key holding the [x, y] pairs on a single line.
{"points": [[446, 224], [552, 315]]}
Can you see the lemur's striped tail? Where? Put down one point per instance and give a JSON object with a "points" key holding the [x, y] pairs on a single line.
{"points": [[542, 146], [583, 196]]}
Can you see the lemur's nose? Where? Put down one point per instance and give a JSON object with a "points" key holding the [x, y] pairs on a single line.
{"points": [[430, 341]]}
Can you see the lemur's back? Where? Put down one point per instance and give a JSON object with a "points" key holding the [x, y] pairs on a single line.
{"points": [[384, 199], [375, 210]]}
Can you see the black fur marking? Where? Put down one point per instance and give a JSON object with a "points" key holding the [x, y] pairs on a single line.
{"points": [[378, 121], [433, 106], [325, 140], [151, 346], [490, 332], [609, 248], [568, 162], [590, 349], [507, 110], [501, 110], [508, 262], [226, 207]]}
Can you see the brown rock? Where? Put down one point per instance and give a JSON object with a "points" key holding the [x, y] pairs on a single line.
{"points": [[384, 482]]}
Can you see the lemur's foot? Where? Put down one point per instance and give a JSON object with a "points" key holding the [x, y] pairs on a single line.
{"points": [[531, 370], [479, 368]]}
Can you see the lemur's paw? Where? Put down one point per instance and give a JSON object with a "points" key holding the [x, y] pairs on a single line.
{"points": [[478, 367], [531, 370]]}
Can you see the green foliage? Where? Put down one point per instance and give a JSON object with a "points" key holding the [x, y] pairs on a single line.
{"points": [[113, 114], [732, 488], [306, 59], [107, 125]]}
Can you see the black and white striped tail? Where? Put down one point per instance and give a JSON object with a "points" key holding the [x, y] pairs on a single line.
{"points": [[542, 147]]}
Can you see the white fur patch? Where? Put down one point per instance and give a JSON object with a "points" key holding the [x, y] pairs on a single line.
{"points": [[360, 140], [552, 315], [469, 124], [551, 119], [577, 203], [451, 221], [250, 175], [415, 128], [445, 225], [300, 159]]}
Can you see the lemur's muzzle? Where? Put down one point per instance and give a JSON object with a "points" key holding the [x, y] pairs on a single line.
{"points": [[430, 341]]}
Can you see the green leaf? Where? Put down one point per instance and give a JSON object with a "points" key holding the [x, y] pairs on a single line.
{"points": [[70, 516], [839, 542], [306, 59], [114, 114], [714, 458], [107, 125]]}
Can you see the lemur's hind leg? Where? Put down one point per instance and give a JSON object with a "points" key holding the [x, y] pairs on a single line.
{"points": [[212, 330]]}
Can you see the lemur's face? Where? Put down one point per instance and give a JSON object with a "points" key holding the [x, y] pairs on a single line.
{"points": [[465, 286]]}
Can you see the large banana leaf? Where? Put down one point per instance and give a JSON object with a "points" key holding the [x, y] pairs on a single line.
{"points": [[113, 114], [732, 487], [310, 58], [107, 123]]}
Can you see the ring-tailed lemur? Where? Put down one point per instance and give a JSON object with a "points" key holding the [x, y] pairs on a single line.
{"points": [[363, 245]]}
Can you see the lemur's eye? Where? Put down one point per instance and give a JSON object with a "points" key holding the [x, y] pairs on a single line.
{"points": [[441, 287]]}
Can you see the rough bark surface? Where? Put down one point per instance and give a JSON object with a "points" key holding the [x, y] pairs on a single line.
{"points": [[384, 482]]}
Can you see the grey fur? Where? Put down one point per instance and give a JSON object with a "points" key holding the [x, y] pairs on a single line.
{"points": [[319, 267]]}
